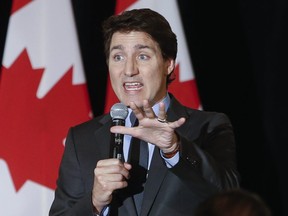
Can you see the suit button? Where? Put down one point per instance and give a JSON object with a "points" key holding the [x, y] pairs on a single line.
{"points": [[192, 161]]}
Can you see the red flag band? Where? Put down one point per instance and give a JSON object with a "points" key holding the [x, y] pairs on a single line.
{"points": [[42, 93]]}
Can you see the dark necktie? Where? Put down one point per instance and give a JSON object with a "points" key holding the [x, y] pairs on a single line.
{"points": [[138, 157]]}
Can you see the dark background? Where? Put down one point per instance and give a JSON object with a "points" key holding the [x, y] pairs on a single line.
{"points": [[239, 53]]}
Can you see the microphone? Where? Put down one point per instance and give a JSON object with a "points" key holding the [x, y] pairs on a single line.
{"points": [[119, 113]]}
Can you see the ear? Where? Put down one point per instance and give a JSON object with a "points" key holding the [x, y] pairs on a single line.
{"points": [[170, 66]]}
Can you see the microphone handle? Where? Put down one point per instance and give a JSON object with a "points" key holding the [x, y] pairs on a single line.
{"points": [[118, 140]]}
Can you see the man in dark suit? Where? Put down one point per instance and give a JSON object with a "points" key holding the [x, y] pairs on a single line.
{"points": [[191, 153]]}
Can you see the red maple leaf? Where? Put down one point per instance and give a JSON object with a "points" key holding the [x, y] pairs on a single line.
{"points": [[32, 130], [123, 5], [186, 92], [18, 4]]}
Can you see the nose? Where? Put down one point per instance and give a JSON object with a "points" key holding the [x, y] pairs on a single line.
{"points": [[131, 68]]}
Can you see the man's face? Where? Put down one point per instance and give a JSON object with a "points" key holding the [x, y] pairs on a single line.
{"points": [[137, 68]]}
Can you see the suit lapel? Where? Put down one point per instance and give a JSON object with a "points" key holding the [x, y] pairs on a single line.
{"points": [[156, 175], [103, 137], [175, 110], [158, 169]]}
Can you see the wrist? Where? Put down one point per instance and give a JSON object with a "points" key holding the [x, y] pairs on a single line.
{"points": [[171, 153], [97, 208]]}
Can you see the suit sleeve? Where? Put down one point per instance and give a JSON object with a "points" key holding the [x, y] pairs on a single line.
{"points": [[210, 156], [71, 197]]}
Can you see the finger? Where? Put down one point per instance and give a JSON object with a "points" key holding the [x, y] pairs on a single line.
{"points": [[111, 166], [110, 183], [137, 111], [127, 165], [177, 123], [162, 112], [116, 173], [149, 113], [113, 178], [108, 162]]}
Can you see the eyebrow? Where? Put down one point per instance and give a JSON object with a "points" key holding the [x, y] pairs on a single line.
{"points": [[120, 47], [137, 46], [140, 46]]}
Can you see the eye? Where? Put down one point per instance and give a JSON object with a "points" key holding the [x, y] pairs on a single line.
{"points": [[143, 57], [118, 57]]}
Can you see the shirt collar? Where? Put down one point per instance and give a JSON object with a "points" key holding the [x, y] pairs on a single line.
{"points": [[166, 100]]}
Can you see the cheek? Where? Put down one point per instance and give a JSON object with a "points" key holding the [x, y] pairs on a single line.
{"points": [[155, 82], [114, 79], [158, 78], [114, 72]]}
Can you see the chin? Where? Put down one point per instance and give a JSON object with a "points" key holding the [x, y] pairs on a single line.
{"points": [[138, 102]]}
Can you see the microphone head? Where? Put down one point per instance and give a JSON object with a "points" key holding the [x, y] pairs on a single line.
{"points": [[119, 111]]}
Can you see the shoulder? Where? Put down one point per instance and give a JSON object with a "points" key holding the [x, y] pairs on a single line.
{"points": [[177, 110], [198, 121], [93, 124], [201, 115]]}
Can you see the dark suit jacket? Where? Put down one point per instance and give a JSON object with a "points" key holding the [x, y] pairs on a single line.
{"points": [[207, 164]]}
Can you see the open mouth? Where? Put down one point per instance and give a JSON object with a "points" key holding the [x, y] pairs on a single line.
{"points": [[133, 86]]}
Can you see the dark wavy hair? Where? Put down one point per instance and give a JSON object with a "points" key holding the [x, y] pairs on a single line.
{"points": [[143, 20]]}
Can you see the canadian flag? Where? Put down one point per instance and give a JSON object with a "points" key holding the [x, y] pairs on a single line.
{"points": [[42, 93], [184, 87]]}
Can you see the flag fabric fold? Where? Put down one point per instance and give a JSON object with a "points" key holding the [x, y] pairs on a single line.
{"points": [[42, 93]]}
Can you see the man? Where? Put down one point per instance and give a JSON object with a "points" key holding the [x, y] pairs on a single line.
{"points": [[191, 153]]}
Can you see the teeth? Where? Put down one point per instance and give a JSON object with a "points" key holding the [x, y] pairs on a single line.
{"points": [[133, 86]]}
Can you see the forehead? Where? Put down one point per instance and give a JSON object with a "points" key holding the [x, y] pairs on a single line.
{"points": [[132, 39]]}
